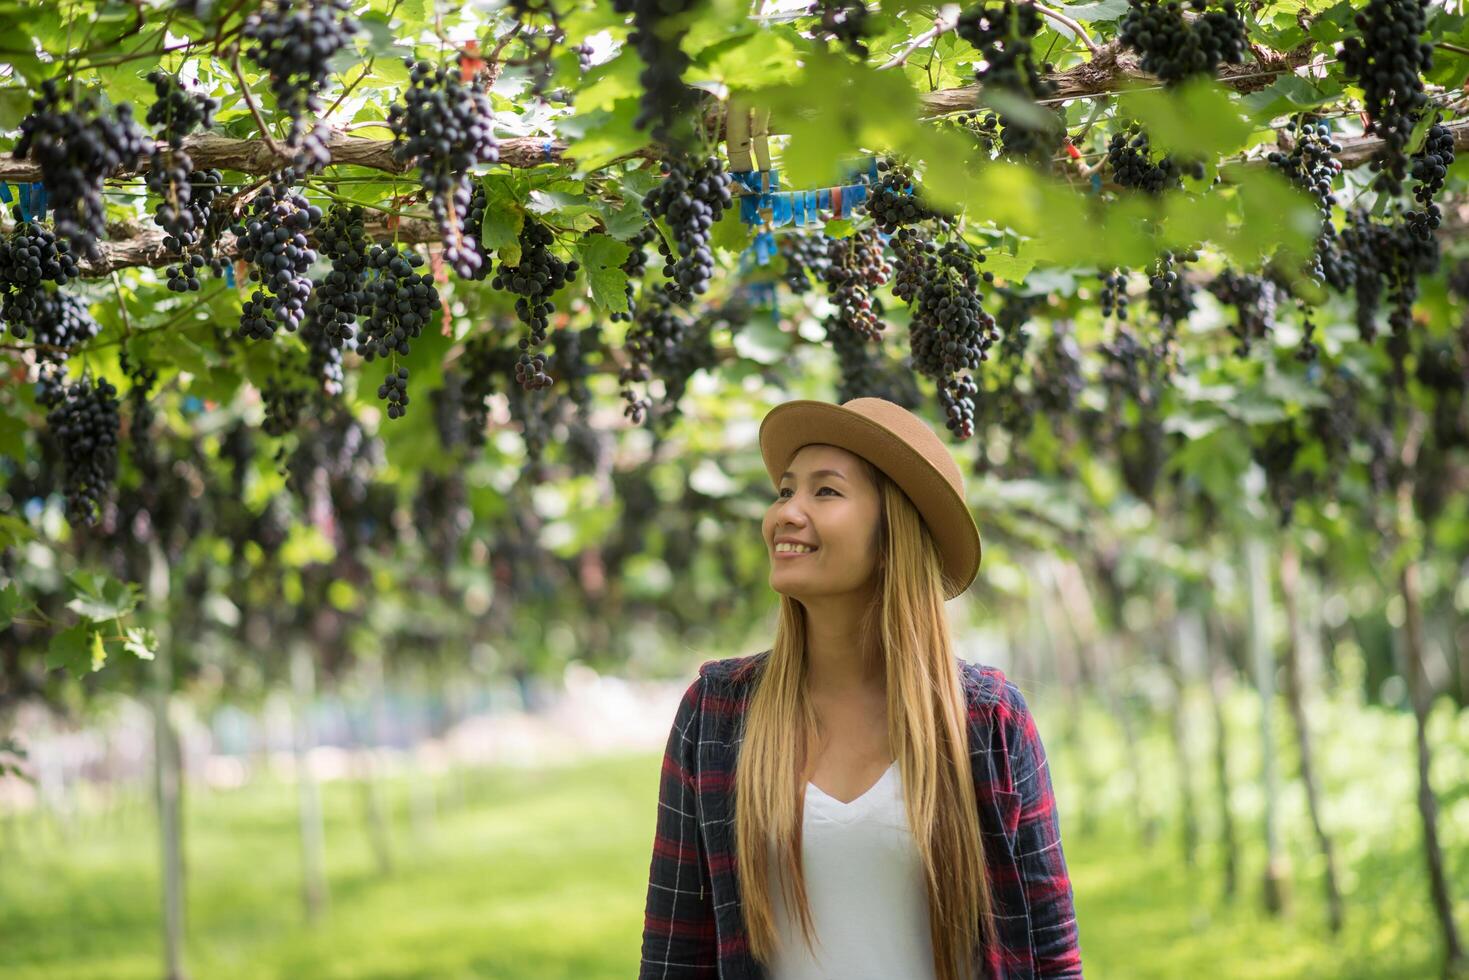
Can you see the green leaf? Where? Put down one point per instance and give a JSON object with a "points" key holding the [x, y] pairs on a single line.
{"points": [[730, 233], [141, 643], [12, 437], [100, 597], [10, 604], [504, 219], [602, 257], [839, 228], [1197, 119], [14, 530], [71, 649]]}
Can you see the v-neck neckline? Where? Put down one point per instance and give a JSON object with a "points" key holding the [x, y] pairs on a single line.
{"points": [[860, 797]]}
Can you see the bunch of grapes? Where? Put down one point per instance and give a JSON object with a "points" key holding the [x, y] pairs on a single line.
{"points": [[295, 42], [846, 21], [855, 266], [1056, 379], [340, 296], [186, 198], [283, 402], [534, 281], [1312, 166], [894, 201], [400, 302], [661, 340], [448, 127], [657, 27], [1129, 157], [273, 239], [1170, 294], [1388, 62], [1254, 300], [950, 331], [1385, 257], [691, 198], [1004, 36], [867, 372], [29, 256], [83, 419], [805, 256], [1176, 49], [1430, 167], [77, 150], [1113, 295]]}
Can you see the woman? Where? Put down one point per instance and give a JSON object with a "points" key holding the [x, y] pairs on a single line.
{"points": [[858, 802]]}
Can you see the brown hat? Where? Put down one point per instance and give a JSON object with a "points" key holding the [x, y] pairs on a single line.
{"points": [[901, 445]]}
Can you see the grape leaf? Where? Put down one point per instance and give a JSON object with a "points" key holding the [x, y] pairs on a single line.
{"points": [[71, 649], [602, 257]]}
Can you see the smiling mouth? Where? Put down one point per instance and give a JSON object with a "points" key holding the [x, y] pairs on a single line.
{"points": [[795, 554]]}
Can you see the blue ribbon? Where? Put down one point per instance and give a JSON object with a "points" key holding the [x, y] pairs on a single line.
{"points": [[39, 190], [5, 193], [229, 274], [546, 149], [25, 202]]}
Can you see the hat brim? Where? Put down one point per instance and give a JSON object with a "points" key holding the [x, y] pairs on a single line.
{"points": [[793, 424]]}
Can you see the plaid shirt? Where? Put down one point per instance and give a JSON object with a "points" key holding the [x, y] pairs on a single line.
{"points": [[693, 925]]}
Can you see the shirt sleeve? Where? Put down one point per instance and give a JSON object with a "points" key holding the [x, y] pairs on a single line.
{"points": [[679, 938], [1053, 927]]}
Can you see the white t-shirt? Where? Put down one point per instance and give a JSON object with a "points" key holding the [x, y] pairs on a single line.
{"points": [[864, 883]]}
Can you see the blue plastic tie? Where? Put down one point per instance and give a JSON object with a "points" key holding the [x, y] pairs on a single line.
{"points": [[546, 149], [5, 193], [25, 202], [40, 201], [229, 274]]}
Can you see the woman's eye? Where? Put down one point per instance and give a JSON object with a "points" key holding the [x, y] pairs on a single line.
{"points": [[782, 493]]}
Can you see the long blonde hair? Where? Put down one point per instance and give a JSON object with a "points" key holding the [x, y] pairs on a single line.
{"points": [[927, 726]]}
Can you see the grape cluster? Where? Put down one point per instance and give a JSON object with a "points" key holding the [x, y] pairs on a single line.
{"points": [[273, 239], [1056, 379], [1004, 36], [846, 21], [665, 99], [691, 197], [1388, 60], [805, 256], [295, 42], [83, 419], [894, 202], [448, 127], [31, 254], [1254, 300], [661, 341], [1312, 166], [340, 296], [1170, 294], [76, 150], [950, 330], [283, 404], [534, 281], [1132, 166], [1430, 168], [1175, 48], [58, 320], [186, 197], [866, 372], [1387, 257], [400, 303], [1113, 295], [855, 266]]}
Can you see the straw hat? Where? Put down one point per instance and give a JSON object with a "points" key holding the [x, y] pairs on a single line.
{"points": [[901, 445]]}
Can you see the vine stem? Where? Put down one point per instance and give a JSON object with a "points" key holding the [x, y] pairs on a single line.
{"points": [[1068, 22], [941, 26], [254, 111]]}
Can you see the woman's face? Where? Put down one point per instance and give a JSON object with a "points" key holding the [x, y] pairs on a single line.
{"points": [[828, 501]]}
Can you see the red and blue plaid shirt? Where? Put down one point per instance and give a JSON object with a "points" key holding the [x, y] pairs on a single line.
{"points": [[693, 925]]}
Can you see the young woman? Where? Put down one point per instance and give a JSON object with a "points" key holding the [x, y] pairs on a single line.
{"points": [[857, 802]]}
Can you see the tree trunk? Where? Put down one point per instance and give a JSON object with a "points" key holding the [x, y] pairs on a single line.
{"points": [[1295, 696], [1173, 659], [166, 771], [303, 691], [1454, 959], [1216, 670], [1262, 664]]}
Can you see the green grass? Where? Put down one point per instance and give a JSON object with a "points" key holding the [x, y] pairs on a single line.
{"points": [[542, 874]]}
